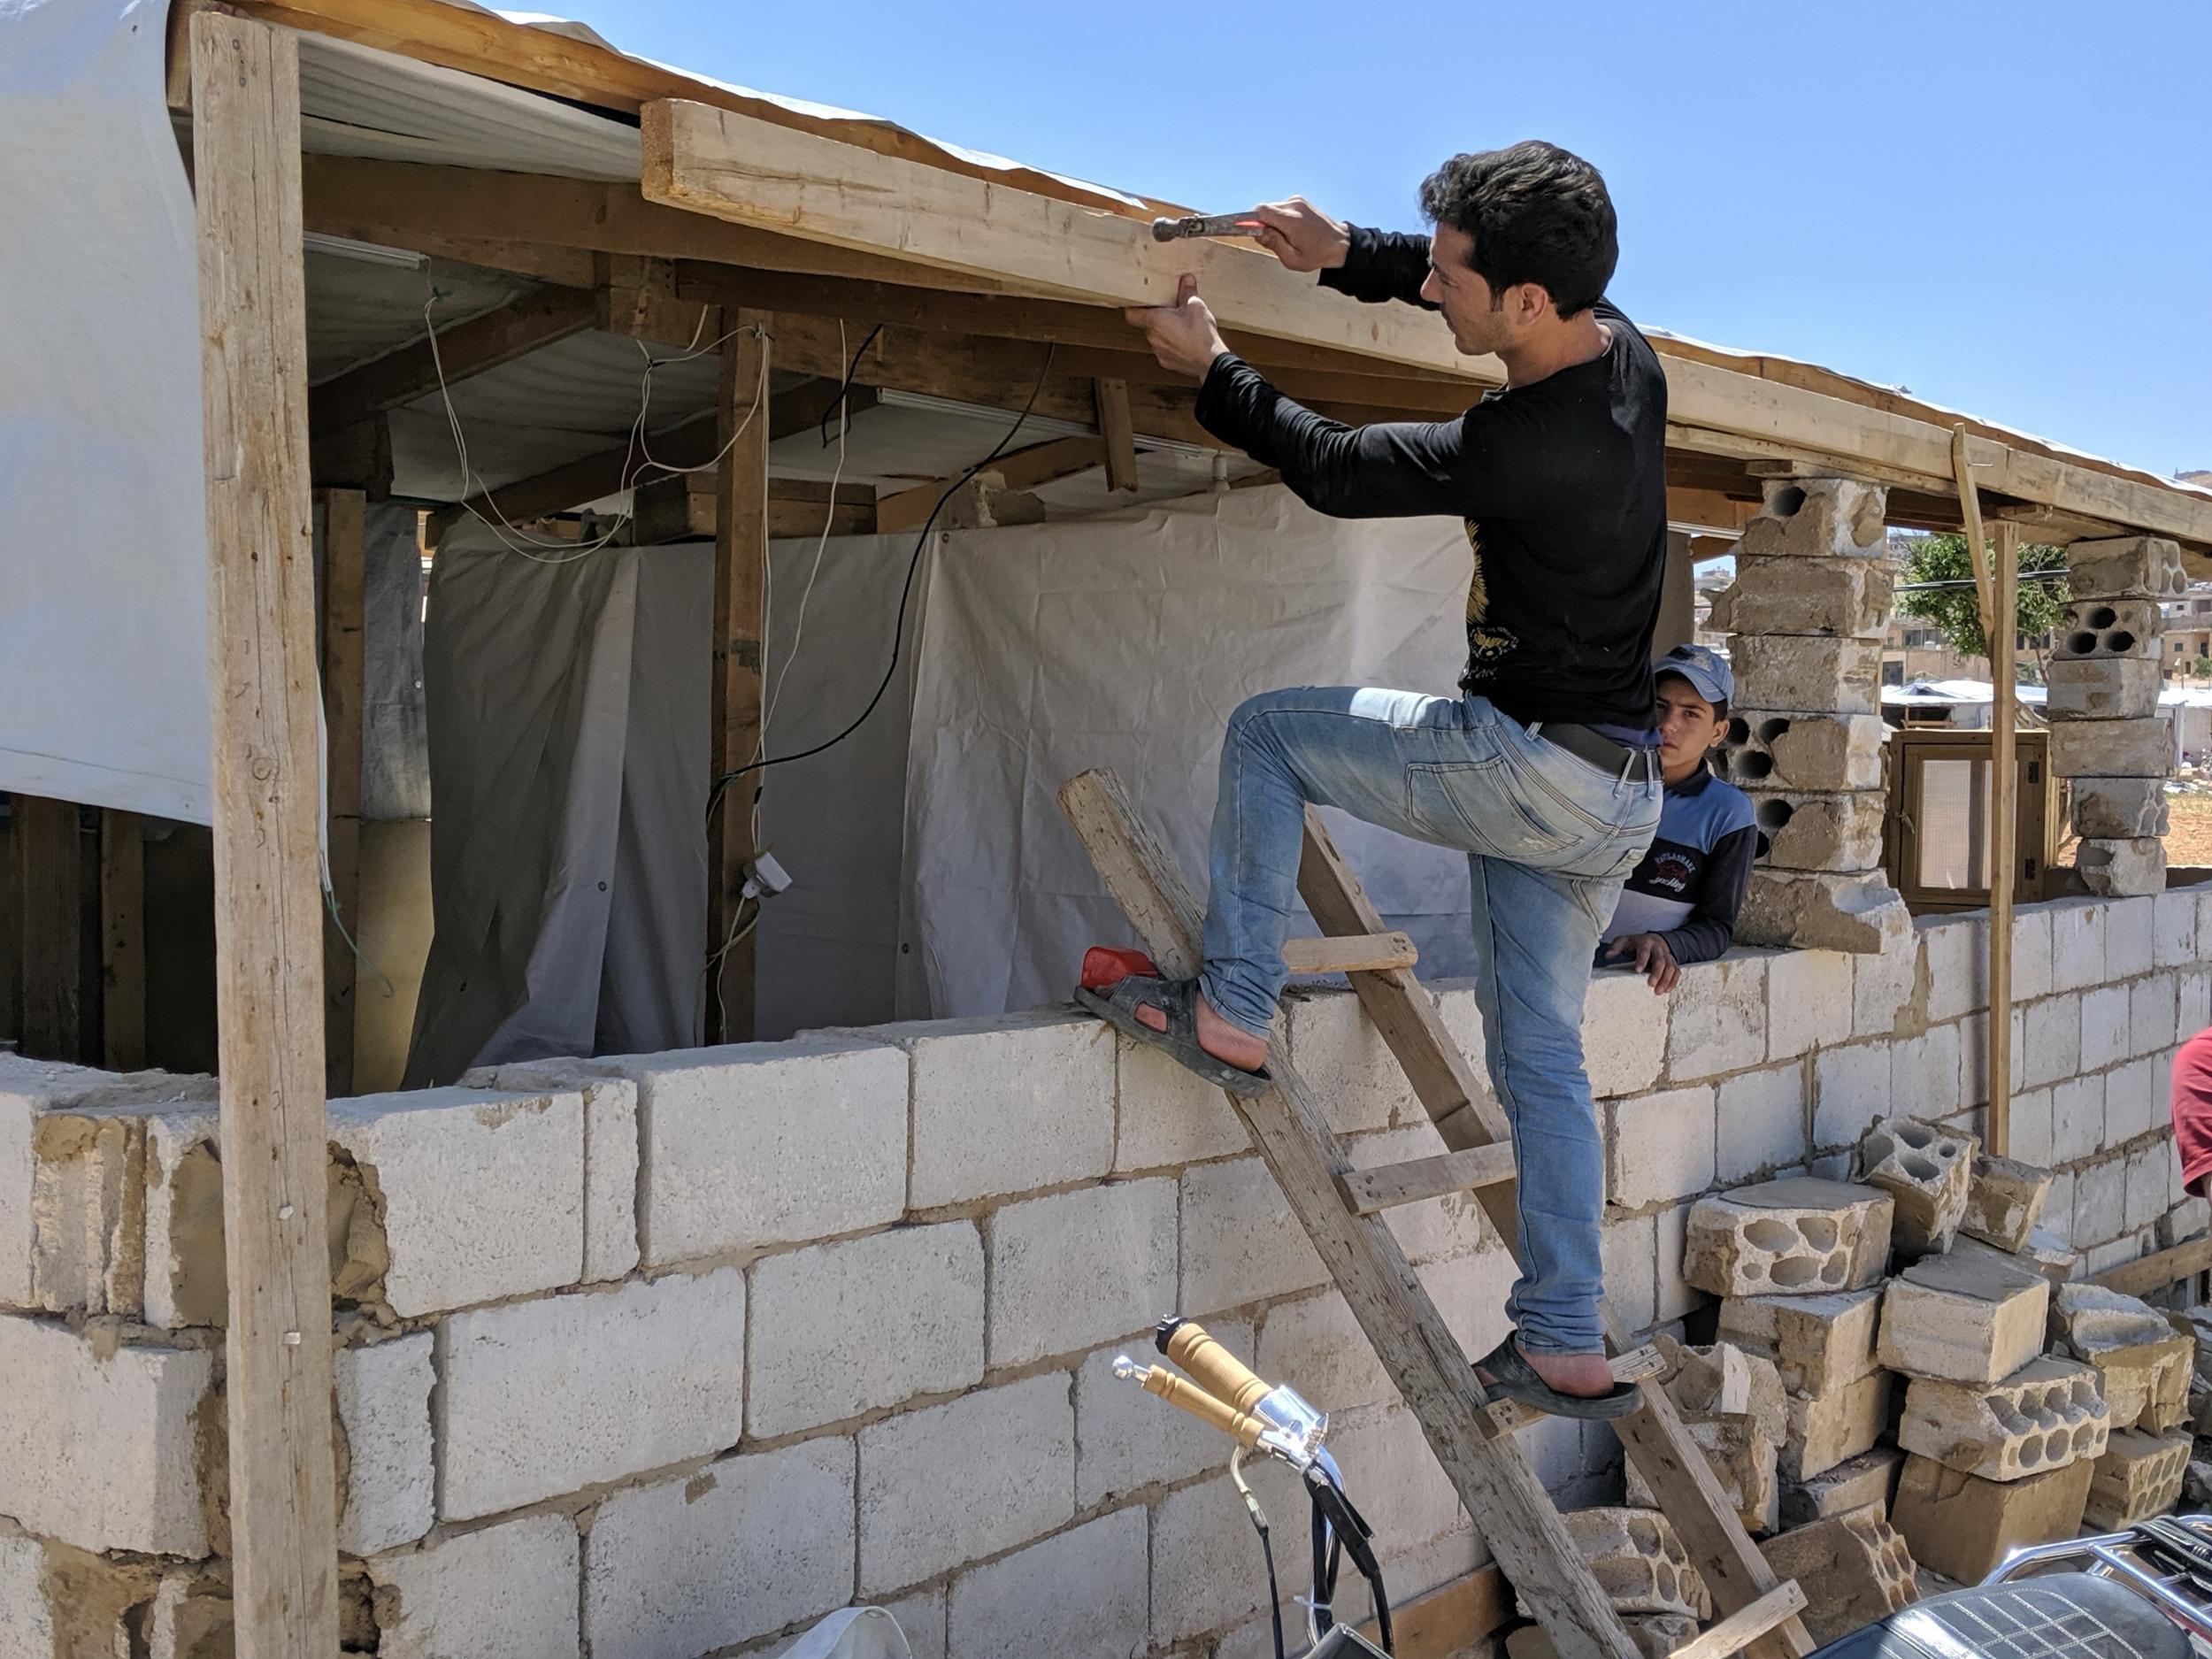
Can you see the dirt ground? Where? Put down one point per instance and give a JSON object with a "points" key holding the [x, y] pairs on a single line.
{"points": [[2189, 840]]}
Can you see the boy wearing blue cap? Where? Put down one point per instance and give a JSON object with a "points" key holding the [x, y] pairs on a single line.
{"points": [[1680, 903]]}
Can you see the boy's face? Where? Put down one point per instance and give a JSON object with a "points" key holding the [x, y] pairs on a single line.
{"points": [[1687, 727]]}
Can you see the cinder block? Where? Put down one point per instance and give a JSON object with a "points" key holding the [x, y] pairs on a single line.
{"points": [[1623, 1034], [1854, 1484], [1723, 1379], [2137, 1100], [1678, 1297], [28, 1088], [2151, 1168], [1638, 1562], [1821, 518], [1838, 830], [1962, 1319], [1718, 1018], [1076, 1268], [2116, 869], [1956, 950], [105, 1453], [2078, 1128], [2131, 935], [1846, 597], [1927, 1170], [2104, 1027], [1793, 1235], [1240, 1242], [1435, 1227], [2115, 689], [1819, 1344], [1401, 1489], [387, 1494], [1084, 1590], [921, 1619], [1808, 1002], [1741, 1455], [27, 1624], [1855, 1570], [2144, 1362], [2031, 953], [2111, 749], [1202, 1551], [963, 1480], [2032, 1140], [1814, 675], [1803, 751], [1346, 1063], [1826, 1430], [1628, 1246], [1962, 1525], [745, 1547], [2126, 567], [1006, 1104], [768, 1143], [2110, 809], [2051, 1255], [1655, 1636], [1761, 1121], [508, 1592], [1470, 1292], [2139, 1476], [1126, 1440], [472, 1194], [847, 1327], [2005, 1201], [2153, 1022], [1885, 985], [1168, 1116], [1854, 913], [1850, 1090], [1660, 1147], [2173, 927], [541, 1398], [2077, 938], [2043, 1417], [2050, 1050], [610, 1151], [2100, 1203], [2108, 630]]}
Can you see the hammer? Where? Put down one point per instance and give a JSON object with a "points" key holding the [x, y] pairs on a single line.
{"points": [[1201, 224]]}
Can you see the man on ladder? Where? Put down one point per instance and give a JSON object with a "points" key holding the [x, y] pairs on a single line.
{"points": [[1545, 772]]}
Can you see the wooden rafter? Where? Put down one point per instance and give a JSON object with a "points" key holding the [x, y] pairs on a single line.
{"points": [[464, 349]]}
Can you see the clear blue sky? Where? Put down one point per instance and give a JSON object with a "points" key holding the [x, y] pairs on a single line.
{"points": [[2006, 208]]}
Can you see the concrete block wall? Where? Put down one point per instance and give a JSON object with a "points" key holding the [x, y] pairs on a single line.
{"points": [[670, 1356]]}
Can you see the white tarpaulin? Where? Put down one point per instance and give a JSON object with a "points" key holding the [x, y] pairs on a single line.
{"points": [[1125, 641], [103, 593]]}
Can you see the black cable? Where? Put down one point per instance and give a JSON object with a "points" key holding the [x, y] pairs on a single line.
{"points": [[845, 386], [906, 594], [1274, 1589]]}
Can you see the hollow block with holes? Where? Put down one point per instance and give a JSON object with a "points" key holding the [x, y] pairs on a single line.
{"points": [[1839, 832], [2109, 630], [1929, 1171], [2144, 1362], [2127, 567], [2139, 1476], [1853, 1569], [1796, 1235], [1817, 1343], [1779, 750], [1638, 1562], [1962, 1318], [2043, 1417], [1824, 517], [2004, 1201]]}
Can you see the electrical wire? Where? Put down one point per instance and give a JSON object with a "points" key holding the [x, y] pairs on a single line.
{"points": [[821, 545], [906, 594], [1267, 1546]]}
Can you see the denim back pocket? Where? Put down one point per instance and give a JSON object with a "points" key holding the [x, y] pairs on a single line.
{"points": [[1485, 807]]}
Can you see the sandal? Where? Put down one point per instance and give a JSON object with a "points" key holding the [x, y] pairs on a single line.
{"points": [[1115, 997], [1512, 1376]]}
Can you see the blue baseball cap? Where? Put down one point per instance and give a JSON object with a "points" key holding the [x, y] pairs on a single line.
{"points": [[1706, 670]]}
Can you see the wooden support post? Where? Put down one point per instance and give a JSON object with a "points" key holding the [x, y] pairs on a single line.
{"points": [[1997, 582], [267, 826], [740, 563], [50, 876], [344, 696], [122, 940], [1118, 427]]}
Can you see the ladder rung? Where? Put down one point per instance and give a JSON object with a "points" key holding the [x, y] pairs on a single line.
{"points": [[1747, 1624], [1391, 1185], [1633, 1366], [1349, 953]]}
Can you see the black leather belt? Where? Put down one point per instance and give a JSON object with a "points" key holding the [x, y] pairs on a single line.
{"points": [[1614, 759]]}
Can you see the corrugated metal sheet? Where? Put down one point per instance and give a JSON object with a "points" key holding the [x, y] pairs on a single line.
{"points": [[356, 311]]}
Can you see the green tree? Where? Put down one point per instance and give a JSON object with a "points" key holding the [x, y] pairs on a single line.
{"points": [[2040, 606]]}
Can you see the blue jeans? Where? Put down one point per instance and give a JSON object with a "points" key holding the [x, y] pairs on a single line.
{"points": [[1549, 839]]}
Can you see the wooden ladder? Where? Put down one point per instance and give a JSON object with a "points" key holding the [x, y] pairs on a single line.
{"points": [[1472, 1434]]}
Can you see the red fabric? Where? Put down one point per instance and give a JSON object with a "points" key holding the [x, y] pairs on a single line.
{"points": [[2193, 1110], [1105, 966]]}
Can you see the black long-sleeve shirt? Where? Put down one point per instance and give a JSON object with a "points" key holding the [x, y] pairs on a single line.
{"points": [[1560, 482]]}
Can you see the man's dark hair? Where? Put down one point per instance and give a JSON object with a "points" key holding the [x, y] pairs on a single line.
{"points": [[1537, 213]]}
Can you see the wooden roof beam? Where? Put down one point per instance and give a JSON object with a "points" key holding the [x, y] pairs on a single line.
{"points": [[464, 349]]}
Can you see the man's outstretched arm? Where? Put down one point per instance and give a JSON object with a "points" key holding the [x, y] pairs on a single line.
{"points": [[1373, 266]]}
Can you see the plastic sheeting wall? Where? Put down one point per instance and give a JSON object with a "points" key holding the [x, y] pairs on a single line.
{"points": [[103, 691]]}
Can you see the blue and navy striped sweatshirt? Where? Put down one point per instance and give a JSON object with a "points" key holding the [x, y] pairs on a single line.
{"points": [[1692, 881]]}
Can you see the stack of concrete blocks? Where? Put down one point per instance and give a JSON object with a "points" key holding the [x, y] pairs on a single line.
{"points": [[2107, 737], [1854, 1568], [1733, 1403], [1808, 608], [1645, 1573], [678, 1353], [2146, 1364]]}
